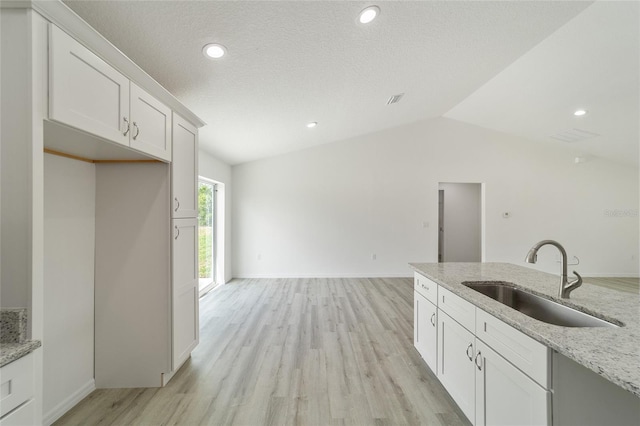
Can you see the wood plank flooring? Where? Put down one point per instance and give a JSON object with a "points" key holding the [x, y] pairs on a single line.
{"points": [[292, 352], [628, 285]]}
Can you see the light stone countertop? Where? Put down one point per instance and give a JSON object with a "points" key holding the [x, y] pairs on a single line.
{"points": [[613, 353], [10, 352], [13, 335]]}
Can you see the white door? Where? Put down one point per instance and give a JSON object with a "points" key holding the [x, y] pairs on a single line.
{"points": [[184, 169], [505, 395], [185, 289], [150, 124], [456, 369], [425, 326], [85, 92]]}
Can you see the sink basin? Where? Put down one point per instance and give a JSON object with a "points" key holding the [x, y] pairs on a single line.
{"points": [[537, 307]]}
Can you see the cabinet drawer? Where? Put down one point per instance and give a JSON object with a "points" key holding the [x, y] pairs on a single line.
{"points": [[16, 384], [525, 353], [457, 308], [425, 287]]}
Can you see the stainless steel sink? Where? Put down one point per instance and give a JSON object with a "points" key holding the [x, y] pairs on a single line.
{"points": [[537, 307]]}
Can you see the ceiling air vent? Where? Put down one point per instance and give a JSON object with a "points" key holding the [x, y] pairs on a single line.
{"points": [[395, 99], [574, 135]]}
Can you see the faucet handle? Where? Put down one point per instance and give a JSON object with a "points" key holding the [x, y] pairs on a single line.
{"points": [[577, 282]]}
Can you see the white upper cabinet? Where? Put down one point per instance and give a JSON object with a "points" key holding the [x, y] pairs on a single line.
{"points": [[86, 92], [90, 95], [184, 169], [150, 124]]}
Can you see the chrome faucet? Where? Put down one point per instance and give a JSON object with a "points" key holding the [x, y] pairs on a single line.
{"points": [[565, 287]]}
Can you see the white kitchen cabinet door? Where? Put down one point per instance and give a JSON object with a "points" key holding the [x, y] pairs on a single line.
{"points": [[185, 322], [84, 91], [184, 169], [505, 395], [150, 124], [456, 370], [425, 324]]}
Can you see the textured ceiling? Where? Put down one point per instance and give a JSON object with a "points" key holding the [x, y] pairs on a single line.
{"points": [[289, 63], [591, 63]]}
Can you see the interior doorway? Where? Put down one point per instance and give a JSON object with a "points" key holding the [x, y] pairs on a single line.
{"points": [[460, 222]]}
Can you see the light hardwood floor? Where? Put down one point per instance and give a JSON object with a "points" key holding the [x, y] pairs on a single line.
{"points": [[292, 351], [628, 285]]}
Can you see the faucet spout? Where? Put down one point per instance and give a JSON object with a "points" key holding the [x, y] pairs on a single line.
{"points": [[565, 287]]}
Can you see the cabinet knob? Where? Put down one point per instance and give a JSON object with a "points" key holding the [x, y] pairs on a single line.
{"points": [[137, 131], [470, 355], [478, 360], [126, 122]]}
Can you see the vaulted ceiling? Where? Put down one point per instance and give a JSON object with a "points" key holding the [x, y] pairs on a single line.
{"points": [[519, 67]]}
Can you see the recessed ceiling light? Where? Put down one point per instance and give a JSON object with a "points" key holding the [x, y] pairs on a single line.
{"points": [[368, 14], [312, 124], [214, 51], [580, 112]]}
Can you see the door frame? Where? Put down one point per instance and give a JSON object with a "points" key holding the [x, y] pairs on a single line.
{"points": [[482, 218]]}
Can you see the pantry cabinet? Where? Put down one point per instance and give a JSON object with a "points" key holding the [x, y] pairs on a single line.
{"points": [[90, 95], [70, 92], [185, 289], [184, 175]]}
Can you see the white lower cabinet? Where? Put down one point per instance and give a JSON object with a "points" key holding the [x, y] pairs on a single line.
{"points": [[17, 392], [505, 395], [456, 369], [503, 381], [425, 337]]}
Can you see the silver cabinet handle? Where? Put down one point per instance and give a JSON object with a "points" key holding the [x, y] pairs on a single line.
{"points": [[433, 319], [137, 131], [128, 126], [177, 204], [470, 356], [479, 357], [177, 232], [425, 287]]}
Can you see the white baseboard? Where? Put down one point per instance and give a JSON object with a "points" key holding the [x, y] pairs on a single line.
{"points": [[70, 402], [324, 275]]}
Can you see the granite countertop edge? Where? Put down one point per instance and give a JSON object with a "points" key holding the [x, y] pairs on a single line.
{"points": [[10, 352], [592, 348]]}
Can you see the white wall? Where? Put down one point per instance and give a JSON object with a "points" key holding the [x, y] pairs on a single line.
{"points": [[211, 168], [461, 222], [325, 211], [69, 240]]}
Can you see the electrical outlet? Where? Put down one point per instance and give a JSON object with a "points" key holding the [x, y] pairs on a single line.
{"points": [[259, 256], [373, 256]]}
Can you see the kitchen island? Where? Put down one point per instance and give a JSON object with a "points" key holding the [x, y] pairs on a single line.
{"points": [[612, 353]]}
